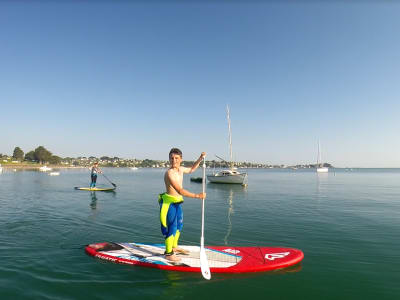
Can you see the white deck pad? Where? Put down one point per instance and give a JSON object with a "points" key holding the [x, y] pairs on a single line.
{"points": [[155, 254]]}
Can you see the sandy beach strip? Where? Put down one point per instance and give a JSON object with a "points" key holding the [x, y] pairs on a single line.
{"points": [[36, 167]]}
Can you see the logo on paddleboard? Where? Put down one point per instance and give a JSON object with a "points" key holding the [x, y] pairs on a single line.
{"points": [[232, 251], [273, 256]]}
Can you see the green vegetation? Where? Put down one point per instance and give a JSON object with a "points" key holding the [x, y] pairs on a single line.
{"points": [[30, 156], [43, 156], [18, 154], [40, 155]]}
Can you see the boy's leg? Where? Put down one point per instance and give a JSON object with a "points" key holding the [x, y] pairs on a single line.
{"points": [[168, 228], [179, 226]]}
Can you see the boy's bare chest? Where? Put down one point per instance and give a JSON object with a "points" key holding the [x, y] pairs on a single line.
{"points": [[177, 176]]}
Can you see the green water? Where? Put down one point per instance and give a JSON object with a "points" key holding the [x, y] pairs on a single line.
{"points": [[346, 222]]}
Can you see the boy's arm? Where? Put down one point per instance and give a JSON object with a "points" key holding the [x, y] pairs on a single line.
{"points": [[175, 184], [195, 165]]}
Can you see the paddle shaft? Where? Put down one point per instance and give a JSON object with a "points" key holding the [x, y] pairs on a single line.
{"points": [[205, 269], [202, 204], [109, 180]]}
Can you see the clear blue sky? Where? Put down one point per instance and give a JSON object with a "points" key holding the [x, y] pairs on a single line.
{"points": [[135, 79]]}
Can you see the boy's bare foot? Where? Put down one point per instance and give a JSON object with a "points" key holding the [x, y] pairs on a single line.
{"points": [[96, 246], [181, 251], [172, 257]]}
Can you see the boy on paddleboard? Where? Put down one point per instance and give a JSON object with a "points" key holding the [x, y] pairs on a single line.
{"points": [[93, 175], [171, 214]]}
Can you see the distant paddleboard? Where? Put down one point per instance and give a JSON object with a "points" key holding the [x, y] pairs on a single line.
{"points": [[95, 189], [221, 259]]}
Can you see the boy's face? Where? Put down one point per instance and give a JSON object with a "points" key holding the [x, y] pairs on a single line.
{"points": [[175, 160]]}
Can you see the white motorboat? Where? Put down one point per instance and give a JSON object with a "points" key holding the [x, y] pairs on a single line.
{"points": [[320, 165], [231, 175], [323, 170], [54, 173], [1, 169], [45, 169]]}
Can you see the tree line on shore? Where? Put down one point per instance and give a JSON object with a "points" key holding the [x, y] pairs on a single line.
{"points": [[43, 156], [40, 155]]}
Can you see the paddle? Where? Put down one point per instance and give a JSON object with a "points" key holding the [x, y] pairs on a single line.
{"points": [[205, 269], [109, 180]]}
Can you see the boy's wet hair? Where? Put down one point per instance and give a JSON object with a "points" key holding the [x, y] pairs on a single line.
{"points": [[175, 151]]}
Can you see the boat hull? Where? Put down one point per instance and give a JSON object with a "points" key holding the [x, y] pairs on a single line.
{"points": [[196, 179], [322, 170], [235, 179]]}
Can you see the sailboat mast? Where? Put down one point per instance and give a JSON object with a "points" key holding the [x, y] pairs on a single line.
{"points": [[319, 154], [230, 137]]}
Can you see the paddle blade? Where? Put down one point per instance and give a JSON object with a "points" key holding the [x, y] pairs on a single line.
{"points": [[205, 269]]}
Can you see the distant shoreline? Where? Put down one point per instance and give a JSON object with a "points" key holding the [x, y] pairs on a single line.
{"points": [[18, 166], [37, 167]]}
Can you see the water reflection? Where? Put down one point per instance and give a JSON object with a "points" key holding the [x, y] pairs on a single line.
{"points": [[322, 179], [93, 202], [175, 281], [230, 212], [228, 192], [93, 198]]}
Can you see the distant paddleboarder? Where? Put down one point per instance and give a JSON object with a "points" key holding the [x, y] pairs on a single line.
{"points": [[93, 175], [171, 214]]}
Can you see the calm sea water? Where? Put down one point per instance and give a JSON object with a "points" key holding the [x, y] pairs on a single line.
{"points": [[346, 222]]}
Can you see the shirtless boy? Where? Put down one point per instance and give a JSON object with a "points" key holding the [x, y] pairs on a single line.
{"points": [[171, 214]]}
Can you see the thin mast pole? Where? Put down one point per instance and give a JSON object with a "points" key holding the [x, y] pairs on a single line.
{"points": [[319, 153], [230, 137]]}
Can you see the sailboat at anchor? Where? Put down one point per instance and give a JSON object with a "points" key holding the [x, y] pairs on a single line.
{"points": [[320, 165], [231, 175]]}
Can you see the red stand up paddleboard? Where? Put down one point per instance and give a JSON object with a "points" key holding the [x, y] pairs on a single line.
{"points": [[204, 259], [221, 259]]}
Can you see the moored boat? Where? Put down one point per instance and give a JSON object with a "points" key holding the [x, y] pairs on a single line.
{"points": [[228, 176], [45, 169], [196, 179], [320, 165], [231, 175]]}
